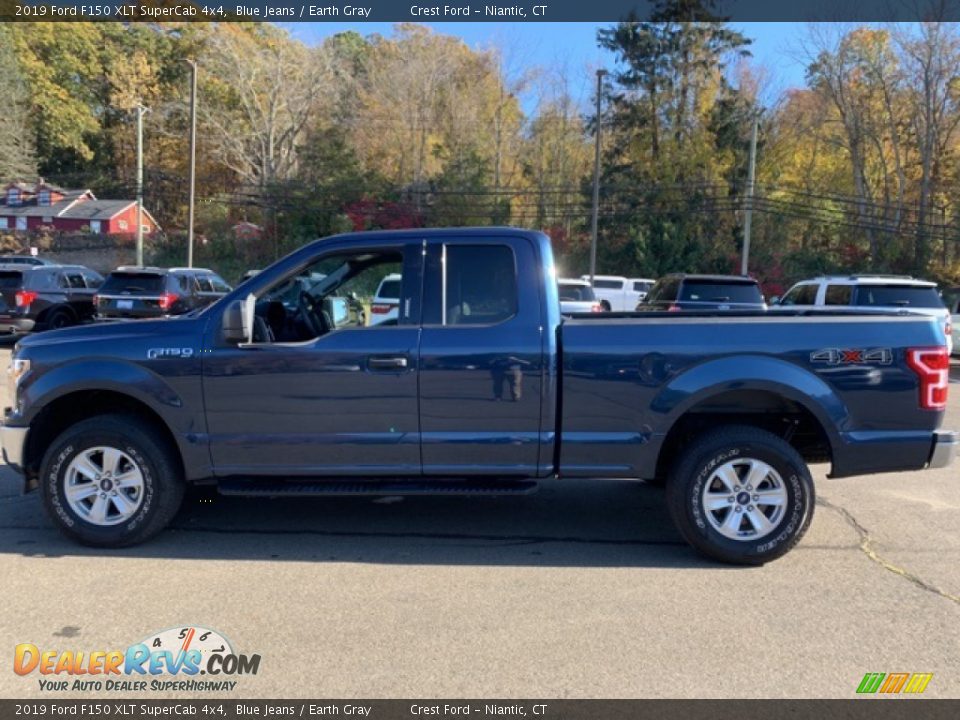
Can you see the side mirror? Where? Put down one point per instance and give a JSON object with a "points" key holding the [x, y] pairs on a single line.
{"points": [[238, 320], [774, 300]]}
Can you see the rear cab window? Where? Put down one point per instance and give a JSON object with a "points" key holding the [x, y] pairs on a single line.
{"points": [[664, 291], [389, 289], [10, 279], [801, 295], [577, 292], [608, 284], [838, 295], [714, 291], [907, 296], [134, 283]]}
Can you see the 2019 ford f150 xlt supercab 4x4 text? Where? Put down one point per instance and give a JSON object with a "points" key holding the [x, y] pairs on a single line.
{"points": [[477, 386]]}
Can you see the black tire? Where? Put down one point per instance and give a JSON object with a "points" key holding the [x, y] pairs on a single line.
{"points": [[162, 487], [735, 444], [59, 319]]}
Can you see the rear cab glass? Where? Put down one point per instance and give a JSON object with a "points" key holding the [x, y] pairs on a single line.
{"points": [[664, 291], [389, 289], [10, 279], [608, 284], [715, 291], [576, 291], [801, 295], [907, 296], [133, 283], [837, 295]]}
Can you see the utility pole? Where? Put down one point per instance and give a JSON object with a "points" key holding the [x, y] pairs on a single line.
{"points": [[141, 110], [748, 205], [596, 182], [193, 158]]}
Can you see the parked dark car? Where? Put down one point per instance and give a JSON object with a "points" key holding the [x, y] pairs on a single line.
{"points": [[703, 292], [24, 260], [42, 297], [151, 292]]}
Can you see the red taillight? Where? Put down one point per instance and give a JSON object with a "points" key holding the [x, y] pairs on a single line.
{"points": [[932, 366], [381, 309], [674, 308], [596, 307], [167, 300], [25, 297]]}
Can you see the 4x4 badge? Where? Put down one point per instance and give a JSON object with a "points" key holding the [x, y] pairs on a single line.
{"points": [[853, 356]]}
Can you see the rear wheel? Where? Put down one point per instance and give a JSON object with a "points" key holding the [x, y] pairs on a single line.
{"points": [[741, 495], [59, 319], [111, 481]]}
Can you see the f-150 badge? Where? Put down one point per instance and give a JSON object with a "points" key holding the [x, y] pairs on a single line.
{"points": [[154, 353]]}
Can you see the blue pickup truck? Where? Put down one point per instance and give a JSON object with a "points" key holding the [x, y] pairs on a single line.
{"points": [[477, 386]]}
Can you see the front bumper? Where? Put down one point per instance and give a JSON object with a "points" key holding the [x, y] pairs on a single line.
{"points": [[14, 441], [944, 448]]}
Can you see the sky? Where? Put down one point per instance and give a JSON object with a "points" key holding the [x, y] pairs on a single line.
{"points": [[775, 45]]}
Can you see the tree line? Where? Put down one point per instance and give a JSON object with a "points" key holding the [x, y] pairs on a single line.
{"points": [[856, 169]]}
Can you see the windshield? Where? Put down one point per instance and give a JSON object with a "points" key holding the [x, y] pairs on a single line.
{"points": [[133, 282], [913, 296], [714, 291], [575, 291]]}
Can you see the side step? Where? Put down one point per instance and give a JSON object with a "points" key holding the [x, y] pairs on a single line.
{"points": [[270, 487]]}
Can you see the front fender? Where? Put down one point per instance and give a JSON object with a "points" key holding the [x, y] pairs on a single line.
{"points": [[111, 374], [754, 372]]}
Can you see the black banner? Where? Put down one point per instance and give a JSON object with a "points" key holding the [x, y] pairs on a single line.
{"points": [[537, 709], [469, 11]]}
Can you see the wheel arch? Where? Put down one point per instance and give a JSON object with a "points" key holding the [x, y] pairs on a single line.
{"points": [[73, 407], [764, 392]]}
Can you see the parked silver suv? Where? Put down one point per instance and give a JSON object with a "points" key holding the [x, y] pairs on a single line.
{"points": [[882, 292]]}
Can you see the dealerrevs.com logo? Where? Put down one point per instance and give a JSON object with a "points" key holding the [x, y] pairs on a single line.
{"points": [[183, 659]]}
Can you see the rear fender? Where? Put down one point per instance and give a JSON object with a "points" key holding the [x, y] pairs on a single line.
{"points": [[754, 372]]}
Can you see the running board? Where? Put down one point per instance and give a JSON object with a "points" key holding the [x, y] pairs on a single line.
{"points": [[269, 487]]}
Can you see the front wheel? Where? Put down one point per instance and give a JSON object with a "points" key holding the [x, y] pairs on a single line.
{"points": [[111, 481], [741, 495]]}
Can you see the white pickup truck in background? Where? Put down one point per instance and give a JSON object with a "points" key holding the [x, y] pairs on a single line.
{"points": [[619, 294]]}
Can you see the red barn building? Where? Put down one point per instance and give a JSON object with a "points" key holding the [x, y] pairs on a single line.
{"points": [[26, 207]]}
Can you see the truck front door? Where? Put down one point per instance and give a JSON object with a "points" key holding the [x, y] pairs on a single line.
{"points": [[320, 391]]}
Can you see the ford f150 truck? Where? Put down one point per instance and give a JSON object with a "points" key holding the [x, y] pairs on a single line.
{"points": [[476, 386]]}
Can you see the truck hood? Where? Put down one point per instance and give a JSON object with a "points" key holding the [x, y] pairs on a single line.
{"points": [[100, 334]]}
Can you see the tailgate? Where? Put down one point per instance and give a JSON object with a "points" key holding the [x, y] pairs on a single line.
{"points": [[129, 306]]}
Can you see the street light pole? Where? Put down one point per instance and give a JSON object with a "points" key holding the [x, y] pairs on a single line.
{"points": [[748, 209], [596, 182], [141, 109], [193, 158]]}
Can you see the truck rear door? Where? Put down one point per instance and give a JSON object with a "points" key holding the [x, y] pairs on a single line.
{"points": [[481, 366]]}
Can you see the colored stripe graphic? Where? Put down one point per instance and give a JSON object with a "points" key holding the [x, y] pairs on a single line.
{"points": [[918, 683], [894, 683], [870, 682]]}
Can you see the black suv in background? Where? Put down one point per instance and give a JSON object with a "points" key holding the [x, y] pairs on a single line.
{"points": [[703, 292], [41, 297], [149, 292]]}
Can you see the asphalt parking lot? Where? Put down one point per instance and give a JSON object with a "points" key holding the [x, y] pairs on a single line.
{"points": [[581, 590]]}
